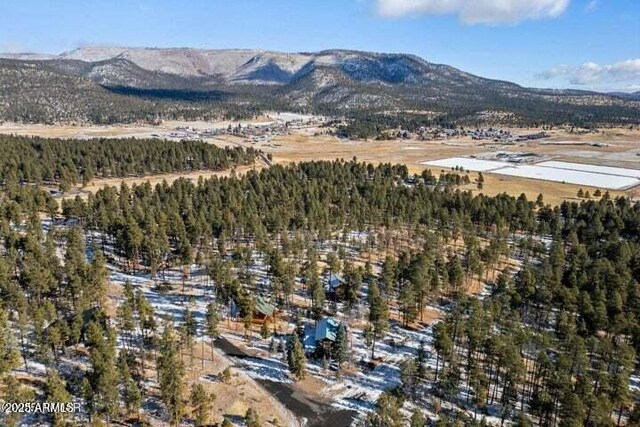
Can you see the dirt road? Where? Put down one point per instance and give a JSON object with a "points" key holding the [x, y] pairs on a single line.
{"points": [[310, 411]]}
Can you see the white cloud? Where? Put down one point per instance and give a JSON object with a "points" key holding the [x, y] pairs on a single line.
{"points": [[591, 6], [475, 11], [593, 74]]}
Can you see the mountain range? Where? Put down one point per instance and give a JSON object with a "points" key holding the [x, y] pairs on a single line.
{"points": [[123, 84]]}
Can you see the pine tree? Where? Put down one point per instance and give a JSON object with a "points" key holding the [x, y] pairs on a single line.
{"points": [[211, 326], [318, 298], [408, 304], [131, 395], [103, 375], [353, 283], [408, 377], [201, 403], [340, 347], [456, 273], [421, 362], [333, 263], [389, 272], [378, 315], [76, 286], [125, 313], [296, 358], [55, 391], [311, 279], [522, 420], [170, 375], [387, 413], [417, 419], [9, 356], [226, 375], [147, 322], [14, 392], [98, 279], [442, 344], [188, 331], [247, 319], [264, 330]]}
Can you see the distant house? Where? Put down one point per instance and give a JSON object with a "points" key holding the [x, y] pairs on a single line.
{"points": [[262, 310], [334, 287], [321, 337]]}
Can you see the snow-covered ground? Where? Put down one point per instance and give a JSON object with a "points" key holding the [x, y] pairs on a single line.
{"points": [[591, 179], [476, 165], [607, 170], [356, 391], [290, 117], [360, 385], [571, 173], [359, 389]]}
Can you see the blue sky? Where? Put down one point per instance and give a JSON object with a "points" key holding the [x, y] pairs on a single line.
{"points": [[587, 44]]}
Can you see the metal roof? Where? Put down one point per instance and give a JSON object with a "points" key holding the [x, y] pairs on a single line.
{"points": [[334, 281], [262, 306], [327, 329]]}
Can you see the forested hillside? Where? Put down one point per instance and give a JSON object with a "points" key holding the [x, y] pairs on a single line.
{"points": [[135, 84], [37, 92], [550, 339]]}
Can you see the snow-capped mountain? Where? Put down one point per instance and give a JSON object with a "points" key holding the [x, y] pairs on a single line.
{"points": [[330, 80], [237, 66]]}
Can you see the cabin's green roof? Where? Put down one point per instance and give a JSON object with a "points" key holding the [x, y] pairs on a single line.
{"points": [[262, 306]]}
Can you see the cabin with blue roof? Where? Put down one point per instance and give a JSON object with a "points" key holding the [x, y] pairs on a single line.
{"points": [[327, 329], [334, 287], [319, 338]]}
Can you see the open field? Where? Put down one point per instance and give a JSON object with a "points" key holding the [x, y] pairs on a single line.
{"points": [[115, 131], [564, 172], [620, 145], [553, 192], [617, 147], [138, 130]]}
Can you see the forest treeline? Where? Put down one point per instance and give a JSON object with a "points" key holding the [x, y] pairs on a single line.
{"points": [[34, 160], [554, 342]]}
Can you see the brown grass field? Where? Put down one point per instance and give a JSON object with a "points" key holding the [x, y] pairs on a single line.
{"points": [[620, 147], [621, 151]]}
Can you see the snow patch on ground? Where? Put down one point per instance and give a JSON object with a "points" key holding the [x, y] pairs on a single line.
{"points": [[570, 173]]}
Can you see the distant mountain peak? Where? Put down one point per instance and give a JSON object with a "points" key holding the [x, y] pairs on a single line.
{"points": [[257, 66], [329, 80]]}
